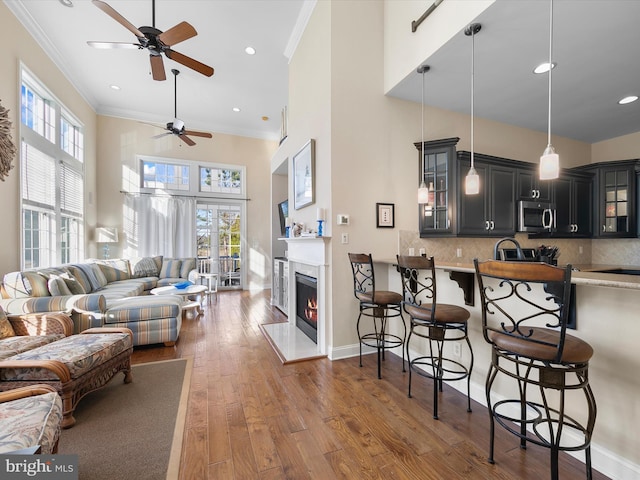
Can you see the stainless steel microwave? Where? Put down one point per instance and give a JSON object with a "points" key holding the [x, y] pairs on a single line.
{"points": [[536, 216]]}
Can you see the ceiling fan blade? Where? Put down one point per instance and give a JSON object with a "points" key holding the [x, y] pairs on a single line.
{"points": [[186, 140], [160, 135], [157, 67], [198, 134], [112, 45], [106, 8], [189, 62], [177, 34]]}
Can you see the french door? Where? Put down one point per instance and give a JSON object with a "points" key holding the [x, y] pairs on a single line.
{"points": [[220, 227]]}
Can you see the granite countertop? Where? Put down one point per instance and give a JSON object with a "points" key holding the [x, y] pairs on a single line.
{"points": [[583, 274]]}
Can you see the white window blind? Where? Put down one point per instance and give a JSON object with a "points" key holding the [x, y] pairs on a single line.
{"points": [[38, 177], [71, 190]]}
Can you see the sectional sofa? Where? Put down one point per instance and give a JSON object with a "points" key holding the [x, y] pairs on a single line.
{"points": [[105, 293]]}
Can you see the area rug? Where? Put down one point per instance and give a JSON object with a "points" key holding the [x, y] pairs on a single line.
{"points": [[132, 431]]}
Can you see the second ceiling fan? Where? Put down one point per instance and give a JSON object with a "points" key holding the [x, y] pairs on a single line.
{"points": [[176, 127], [156, 41]]}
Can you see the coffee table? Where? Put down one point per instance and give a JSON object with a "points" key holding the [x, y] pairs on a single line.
{"points": [[196, 291]]}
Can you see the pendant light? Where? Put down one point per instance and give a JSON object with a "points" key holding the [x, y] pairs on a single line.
{"points": [[423, 191], [472, 180], [550, 161]]}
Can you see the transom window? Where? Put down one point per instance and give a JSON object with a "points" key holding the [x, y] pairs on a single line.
{"points": [[183, 176], [220, 180], [165, 176], [51, 178]]}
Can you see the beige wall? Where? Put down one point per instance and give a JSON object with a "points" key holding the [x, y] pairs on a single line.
{"points": [[120, 140], [18, 46], [621, 148]]}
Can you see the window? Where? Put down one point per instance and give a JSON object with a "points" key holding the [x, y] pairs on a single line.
{"points": [[165, 176], [180, 177], [52, 180], [220, 180]]}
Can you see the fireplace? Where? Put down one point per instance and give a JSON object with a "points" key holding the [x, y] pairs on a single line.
{"points": [[307, 305]]}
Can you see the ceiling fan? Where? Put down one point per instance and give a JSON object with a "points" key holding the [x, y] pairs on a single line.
{"points": [[176, 127], [156, 41]]}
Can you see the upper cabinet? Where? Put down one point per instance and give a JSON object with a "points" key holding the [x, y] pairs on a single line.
{"points": [[438, 168], [593, 201], [492, 212], [572, 197], [530, 187], [615, 198]]}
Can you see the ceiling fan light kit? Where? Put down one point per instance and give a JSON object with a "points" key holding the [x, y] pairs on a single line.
{"points": [[177, 127], [156, 41]]}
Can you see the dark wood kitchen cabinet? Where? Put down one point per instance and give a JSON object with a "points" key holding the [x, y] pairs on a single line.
{"points": [[492, 212], [615, 206], [530, 187], [572, 197], [438, 168]]}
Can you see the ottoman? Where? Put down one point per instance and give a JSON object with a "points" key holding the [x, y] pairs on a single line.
{"points": [[74, 365]]}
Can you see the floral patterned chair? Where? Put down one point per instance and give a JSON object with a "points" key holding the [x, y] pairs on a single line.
{"points": [[30, 419]]}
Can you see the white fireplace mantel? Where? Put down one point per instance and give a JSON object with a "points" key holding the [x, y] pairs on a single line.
{"points": [[309, 256]]}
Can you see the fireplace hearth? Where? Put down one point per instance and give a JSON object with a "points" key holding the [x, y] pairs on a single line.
{"points": [[307, 305]]}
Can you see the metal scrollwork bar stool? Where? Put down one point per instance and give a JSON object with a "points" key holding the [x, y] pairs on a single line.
{"points": [[438, 323], [525, 309], [379, 305]]}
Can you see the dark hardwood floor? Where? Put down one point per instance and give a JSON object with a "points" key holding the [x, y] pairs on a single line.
{"points": [[250, 417]]}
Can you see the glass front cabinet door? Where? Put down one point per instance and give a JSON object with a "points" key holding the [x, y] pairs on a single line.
{"points": [[616, 212], [437, 168]]}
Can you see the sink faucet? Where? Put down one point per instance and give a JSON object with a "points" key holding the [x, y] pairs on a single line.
{"points": [[519, 253]]}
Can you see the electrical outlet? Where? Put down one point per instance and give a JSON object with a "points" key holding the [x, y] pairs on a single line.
{"points": [[458, 252], [580, 249], [345, 238], [457, 349], [412, 251]]}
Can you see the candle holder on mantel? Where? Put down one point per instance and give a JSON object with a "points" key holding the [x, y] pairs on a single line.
{"points": [[320, 222]]}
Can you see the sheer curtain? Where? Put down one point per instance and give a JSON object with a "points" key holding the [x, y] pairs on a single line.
{"points": [[161, 226]]}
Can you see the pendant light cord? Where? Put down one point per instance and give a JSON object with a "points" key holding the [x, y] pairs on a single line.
{"points": [[473, 56], [550, 68], [422, 129]]}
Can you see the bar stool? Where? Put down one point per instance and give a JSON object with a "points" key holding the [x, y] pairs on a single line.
{"points": [[525, 308], [438, 323], [379, 305]]}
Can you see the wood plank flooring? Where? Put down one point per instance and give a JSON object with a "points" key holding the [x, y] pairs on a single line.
{"points": [[250, 417]]}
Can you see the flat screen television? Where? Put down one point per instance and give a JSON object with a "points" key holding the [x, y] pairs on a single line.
{"points": [[283, 210]]}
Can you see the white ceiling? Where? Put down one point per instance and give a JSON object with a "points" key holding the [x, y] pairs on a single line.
{"points": [[595, 45], [257, 84]]}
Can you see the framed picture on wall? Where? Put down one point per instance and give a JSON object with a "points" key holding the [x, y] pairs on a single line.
{"points": [[384, 215], [304, 176]]}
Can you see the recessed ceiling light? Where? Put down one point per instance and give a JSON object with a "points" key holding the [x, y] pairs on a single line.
{"points": [[114, 87], [544, 67], [629, 99], [265, 118], [236, 109], [66, 3], [250, 51]]}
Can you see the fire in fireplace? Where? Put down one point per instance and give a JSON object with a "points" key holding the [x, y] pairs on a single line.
{"points": [[307, 305]]}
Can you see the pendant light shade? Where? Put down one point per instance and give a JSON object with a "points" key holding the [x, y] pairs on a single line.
{"points": [[550, 161], [423, 191], [472, 180]]}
